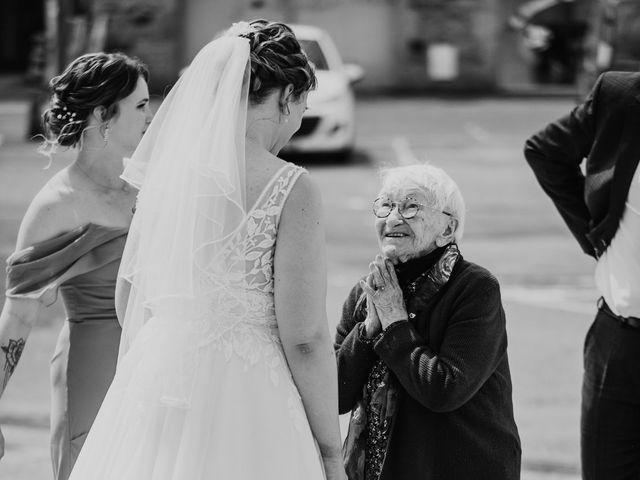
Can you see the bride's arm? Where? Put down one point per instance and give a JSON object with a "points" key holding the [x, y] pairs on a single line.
{"points": [[300, 300]]}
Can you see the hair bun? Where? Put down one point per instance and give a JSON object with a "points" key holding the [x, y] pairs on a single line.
{"points": [[90, 81], [277, 60], [62, 123]]}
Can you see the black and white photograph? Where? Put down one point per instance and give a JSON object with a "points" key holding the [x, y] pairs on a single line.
{"points": [[320, 239]]}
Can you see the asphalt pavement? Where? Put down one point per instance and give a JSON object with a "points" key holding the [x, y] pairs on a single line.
{"points": [[512, 229]]}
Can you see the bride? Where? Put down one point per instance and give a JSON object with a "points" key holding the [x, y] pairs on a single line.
{"points": [[226, 368]]}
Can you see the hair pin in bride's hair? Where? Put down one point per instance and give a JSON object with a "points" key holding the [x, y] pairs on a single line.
{"points": [[240, 29]]}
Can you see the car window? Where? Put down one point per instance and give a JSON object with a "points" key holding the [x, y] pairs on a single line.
{"points": [[314, 52]]}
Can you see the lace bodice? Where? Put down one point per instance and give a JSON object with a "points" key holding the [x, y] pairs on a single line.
{"points": [[232, 312], [247, 294], [232, 303], [254, 245]]}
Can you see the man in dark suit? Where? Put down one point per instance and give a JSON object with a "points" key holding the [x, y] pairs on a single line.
{"points": [[601, 206]]}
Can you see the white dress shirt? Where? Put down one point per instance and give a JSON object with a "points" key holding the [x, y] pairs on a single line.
{"points": [[618, 270]]}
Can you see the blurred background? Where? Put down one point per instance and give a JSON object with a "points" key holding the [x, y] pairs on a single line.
{"points": [[403, 45], [459, 83]]}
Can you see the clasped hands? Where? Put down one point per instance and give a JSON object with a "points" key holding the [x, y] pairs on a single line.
{"points": [[385, 301]]}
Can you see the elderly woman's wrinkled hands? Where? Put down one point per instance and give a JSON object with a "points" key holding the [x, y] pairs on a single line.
{"points": [[372, 325], [384, 291]]}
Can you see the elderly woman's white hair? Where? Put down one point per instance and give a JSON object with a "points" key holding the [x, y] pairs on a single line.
{"points": [[439, 188]]}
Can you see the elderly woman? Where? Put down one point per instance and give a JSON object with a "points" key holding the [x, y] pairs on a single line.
{"points": [[422, 346]]}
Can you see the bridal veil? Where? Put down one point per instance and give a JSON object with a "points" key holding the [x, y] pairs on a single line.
{"points": [[190, 170]]}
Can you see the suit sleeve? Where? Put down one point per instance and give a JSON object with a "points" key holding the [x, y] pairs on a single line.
{"points": [[355, 357], [474, 345], [555, 155]]}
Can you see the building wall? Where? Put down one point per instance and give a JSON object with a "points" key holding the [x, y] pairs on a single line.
{"points": [[149, 29], [402, 45], [366, 34], [390, 39], [203, 19], [467, 28], [360, 29]]}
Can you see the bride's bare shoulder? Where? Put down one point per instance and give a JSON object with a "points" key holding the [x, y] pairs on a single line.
{"points": [[304, 202], [260, 170]]}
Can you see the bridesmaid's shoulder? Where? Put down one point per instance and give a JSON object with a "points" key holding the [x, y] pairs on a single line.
{"points": [[51, 212]]}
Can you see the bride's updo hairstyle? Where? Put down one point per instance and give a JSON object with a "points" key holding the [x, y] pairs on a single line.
{"points": [[277, 60], [90, 81]]}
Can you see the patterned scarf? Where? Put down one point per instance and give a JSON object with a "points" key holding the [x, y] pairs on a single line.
{"points": [[371, 420]]}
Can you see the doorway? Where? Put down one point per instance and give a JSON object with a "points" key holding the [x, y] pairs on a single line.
{"points": [[542, 44], [21, 31]]}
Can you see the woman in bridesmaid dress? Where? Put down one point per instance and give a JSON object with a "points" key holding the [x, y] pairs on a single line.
{"points": [[71, 240]]}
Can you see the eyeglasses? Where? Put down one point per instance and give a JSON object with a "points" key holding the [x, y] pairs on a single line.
{"points": [[407, 208]]}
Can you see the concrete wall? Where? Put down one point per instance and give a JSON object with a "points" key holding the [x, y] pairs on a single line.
{"points": [[390, 39], [203, 19], [150, 30], [362, 30], [366, 34], [469, 27], [393, 40]]}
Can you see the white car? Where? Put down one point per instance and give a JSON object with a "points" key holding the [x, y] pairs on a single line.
{"points": [[328, 126]]}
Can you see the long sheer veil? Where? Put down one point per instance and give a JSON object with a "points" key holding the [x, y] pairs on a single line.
{"points": [[190, 170]]}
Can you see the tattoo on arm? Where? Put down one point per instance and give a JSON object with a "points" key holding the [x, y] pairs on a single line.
{"points": [[12, 353]]}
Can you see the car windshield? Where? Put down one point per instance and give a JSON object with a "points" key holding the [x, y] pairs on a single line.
{"points": [[313, 51]]}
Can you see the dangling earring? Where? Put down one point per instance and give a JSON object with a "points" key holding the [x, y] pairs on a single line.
{"points": [[105, 134]]}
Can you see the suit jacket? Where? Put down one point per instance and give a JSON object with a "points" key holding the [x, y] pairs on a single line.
{"points": [[605, 130], [454, 419]]}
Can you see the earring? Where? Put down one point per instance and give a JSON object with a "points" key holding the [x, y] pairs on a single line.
{"points": [[286, 112], [105, 134]]}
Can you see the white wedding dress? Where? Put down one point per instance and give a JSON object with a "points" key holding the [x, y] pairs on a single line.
{"points": [[204, 390]]}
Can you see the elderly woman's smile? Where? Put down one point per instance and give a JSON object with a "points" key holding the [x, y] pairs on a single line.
{"points": [[406, 225], [396, 235]]}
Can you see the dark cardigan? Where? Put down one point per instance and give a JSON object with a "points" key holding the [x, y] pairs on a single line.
{"points": [[455, 416]]}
